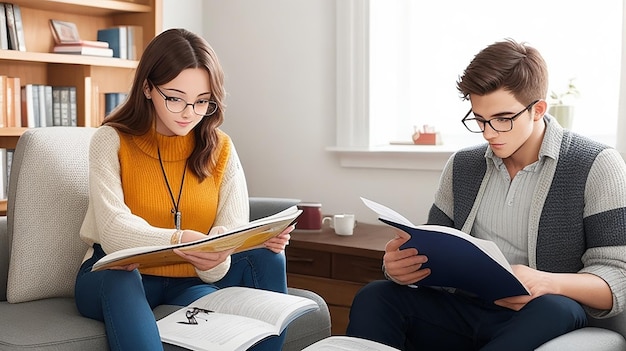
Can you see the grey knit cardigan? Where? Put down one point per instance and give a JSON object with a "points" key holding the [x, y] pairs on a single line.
{"points": [[564, 234]]}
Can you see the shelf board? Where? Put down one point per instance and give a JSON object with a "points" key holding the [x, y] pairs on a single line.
{"points": [[9, 137], [45, 57], [83, 7]]}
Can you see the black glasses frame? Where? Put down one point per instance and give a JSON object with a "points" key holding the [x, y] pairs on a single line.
{"points": [[210, 109], [484, 122]]}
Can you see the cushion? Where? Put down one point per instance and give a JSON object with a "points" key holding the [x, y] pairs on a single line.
{"points": [[584, 339], [47, 200]]}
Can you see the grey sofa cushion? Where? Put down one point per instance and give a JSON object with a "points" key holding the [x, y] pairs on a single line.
{"points": [[55, 324], [585, 339], [50, 174]]}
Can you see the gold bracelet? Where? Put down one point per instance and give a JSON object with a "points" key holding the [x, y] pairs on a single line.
{"points": [[177, 237]]}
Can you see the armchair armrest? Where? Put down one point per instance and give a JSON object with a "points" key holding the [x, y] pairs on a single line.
{"points": [[264, 206]]}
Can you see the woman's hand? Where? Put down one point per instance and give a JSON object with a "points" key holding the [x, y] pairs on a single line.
{"points": [[128, 267], [278, 243], [204, 260], [199, 259]]}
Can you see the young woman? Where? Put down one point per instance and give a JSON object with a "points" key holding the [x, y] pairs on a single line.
{"points": [[162, 172]]}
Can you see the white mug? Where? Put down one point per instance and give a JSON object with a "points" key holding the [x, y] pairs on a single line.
{"points": [[342, 223]]}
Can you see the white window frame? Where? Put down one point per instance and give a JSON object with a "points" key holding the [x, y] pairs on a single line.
{"points": [[352, 121]]}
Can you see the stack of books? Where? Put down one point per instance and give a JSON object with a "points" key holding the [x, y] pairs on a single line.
{"points": [[68, 41], [85, 47]]}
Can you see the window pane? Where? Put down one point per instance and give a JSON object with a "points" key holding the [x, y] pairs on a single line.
{"points": [[418, 49]]}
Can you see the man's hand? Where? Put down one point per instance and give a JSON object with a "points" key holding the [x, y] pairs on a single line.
{"points": [[536, 282], [404, 266]]}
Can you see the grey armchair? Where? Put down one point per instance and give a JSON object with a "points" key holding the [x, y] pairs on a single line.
{"points": [[40, 250]]}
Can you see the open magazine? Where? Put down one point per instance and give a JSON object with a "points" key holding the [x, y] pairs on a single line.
{"points": [[347, 343], [232, 319], [456, 259], [243, 238]]}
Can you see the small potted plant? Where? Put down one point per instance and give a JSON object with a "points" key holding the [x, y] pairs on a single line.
{"points": [[562, 107]]}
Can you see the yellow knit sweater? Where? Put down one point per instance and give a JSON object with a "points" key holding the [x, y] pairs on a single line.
{"points": [[146, 191]]}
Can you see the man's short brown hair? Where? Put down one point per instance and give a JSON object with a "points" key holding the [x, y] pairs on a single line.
{"points": [[515, 67]]}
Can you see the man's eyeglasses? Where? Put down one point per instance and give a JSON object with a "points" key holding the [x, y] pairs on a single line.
{"points": [[499, 124], [202, 107]]}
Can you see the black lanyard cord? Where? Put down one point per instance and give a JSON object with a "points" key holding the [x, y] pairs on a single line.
{"points": [[175, 203]]}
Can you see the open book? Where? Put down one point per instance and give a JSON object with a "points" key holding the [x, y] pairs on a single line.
{"points": [[243, 238], [456, 259], [232, 319], [347, 343]]}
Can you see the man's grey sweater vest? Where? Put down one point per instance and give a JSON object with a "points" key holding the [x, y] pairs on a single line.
{"points": [[561, 237]]}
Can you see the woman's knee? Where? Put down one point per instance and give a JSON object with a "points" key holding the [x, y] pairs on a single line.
{"points": [[92, 289]]}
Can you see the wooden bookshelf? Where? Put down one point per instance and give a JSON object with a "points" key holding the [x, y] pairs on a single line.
{"points": [[92, 76]]}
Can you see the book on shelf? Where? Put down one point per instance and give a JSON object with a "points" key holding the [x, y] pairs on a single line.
{"points": [[13, 103], [246, 237], [4, 34], [63, 105], [19, 28], [112, 100], [73, 122], [11, 29], [68, 41], [232, 319], [125, 40], [83, 50], [117, 37], [3, 99], [456, 259], [347, 343], [30, 106], [41, 105]]}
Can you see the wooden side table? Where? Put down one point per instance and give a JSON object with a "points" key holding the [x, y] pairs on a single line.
{"points": [[336, 267]]}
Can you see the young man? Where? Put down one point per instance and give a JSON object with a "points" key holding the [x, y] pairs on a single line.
{"points": [[553, 201]]}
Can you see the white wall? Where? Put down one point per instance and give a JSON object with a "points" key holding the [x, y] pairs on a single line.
{"points": [[183, 14], [279, 60]]}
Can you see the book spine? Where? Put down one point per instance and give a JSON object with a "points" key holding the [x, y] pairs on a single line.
{"points": [[113, 37], [29, 102], [13, 45], [48, 105], [4, 34], [3, 174], [73, 107], [41, 106], [65, 106], [3, 97], [13, 102], [109, 103], [33, 118], [19, 28], [56, 106], [9, 162]]}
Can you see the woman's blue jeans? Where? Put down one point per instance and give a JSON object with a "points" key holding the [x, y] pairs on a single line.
{"points": [[124, 300]]}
